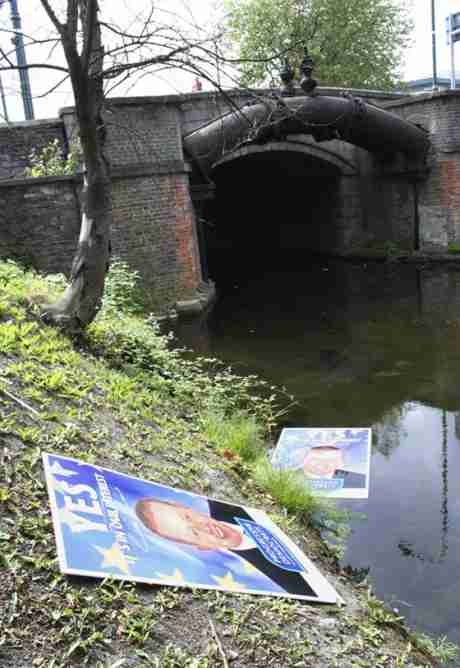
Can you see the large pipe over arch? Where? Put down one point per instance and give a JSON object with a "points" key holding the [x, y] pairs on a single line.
{"points": [[324, 117]]}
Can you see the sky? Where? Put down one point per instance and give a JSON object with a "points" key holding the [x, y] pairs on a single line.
{"points": [[419, 56], [418, 60]]}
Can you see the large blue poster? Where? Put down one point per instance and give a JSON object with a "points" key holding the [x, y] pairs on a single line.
{"points": [[111, 524], [335, 462]]}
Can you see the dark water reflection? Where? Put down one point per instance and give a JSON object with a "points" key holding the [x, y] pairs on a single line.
{"points": [[368, 345]]}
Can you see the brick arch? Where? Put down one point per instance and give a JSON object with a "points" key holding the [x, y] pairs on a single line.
{"points": [[421, 120], [298, 144], [324, 118]]}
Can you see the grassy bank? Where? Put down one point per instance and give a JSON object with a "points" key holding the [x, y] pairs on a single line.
{"points": [[120, 397]]}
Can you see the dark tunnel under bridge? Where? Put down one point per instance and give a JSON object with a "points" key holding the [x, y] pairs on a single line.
{"points": [[269, 207], [311, 175]]}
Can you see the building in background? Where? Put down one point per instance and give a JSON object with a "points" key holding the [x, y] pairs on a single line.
{"points": [[424, 84]]}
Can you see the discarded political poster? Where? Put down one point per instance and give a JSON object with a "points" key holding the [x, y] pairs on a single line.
{"points": [[110, 524], [335, 462]]}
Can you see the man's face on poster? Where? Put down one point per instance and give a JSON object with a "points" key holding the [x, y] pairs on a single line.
{"points": [[322, 462], [184, 525]]}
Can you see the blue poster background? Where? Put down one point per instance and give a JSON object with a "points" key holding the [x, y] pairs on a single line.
{"points": [[98, 532]]}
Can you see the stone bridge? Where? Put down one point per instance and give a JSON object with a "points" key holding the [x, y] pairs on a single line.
{"points": [[180, 204]]}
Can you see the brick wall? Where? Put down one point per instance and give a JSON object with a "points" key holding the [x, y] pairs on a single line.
{"points": [[143, 134], [154, 231], [378, 209], [153, 217], [18, 139], [39, 222], [439, 191]]}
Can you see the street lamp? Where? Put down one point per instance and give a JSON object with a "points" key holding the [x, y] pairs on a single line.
{"points": [[18, 42]]}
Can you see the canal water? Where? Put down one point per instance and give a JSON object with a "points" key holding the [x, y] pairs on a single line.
{"points": [[378, 345]]}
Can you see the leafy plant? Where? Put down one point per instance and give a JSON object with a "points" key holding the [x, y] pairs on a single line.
{"points": [[202, 384], [21, 286], [392, 250], [287, 487], [50, 161], [439, 648], [176, 657], [454, 248], [121, 289], [239, 434]]}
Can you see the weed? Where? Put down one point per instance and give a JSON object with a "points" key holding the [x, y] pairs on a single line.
{"points": [[392, 250], [287, 487], [137, 625], [121, 290], [439, 648], [175, 657], [453, 248], [239, 434]]}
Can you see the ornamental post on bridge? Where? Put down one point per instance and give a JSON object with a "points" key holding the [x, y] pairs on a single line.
{"points": [[307, 83], [287, 75]]}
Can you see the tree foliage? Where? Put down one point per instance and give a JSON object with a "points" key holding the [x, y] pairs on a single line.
{"points": [[357, 43], [51, 161]]}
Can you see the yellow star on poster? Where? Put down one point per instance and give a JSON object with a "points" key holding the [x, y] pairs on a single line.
{"points": [[114, 557], [175, 578], [228, 582]]}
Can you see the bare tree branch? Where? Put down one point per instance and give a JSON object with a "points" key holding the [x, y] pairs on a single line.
{"points": [[6, 57], [124, 33], [162, 58], [52, 16], [32, 66], [30, 38], [52, 89]]}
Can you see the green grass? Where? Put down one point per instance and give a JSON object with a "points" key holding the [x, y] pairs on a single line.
{"points": [[287, 488], [241, 435], [439, 648], [238, 434], [454, 248]]}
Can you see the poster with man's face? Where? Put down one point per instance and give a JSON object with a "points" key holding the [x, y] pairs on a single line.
{"points": [[334, 462], [110, 524]]}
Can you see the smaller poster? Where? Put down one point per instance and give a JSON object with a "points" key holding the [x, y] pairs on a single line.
{"points": [[334, 462], [107, 523]]}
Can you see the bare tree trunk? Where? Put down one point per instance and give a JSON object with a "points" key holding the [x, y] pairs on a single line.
{"points": [[83, 297]]}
